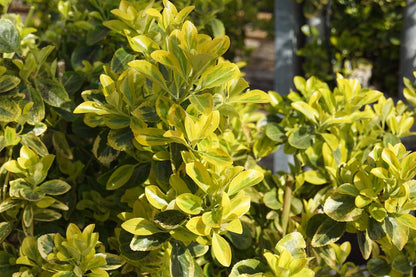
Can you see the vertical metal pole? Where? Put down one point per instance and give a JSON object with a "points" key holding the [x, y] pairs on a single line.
{"points": [[286, 67], [408, 45]]}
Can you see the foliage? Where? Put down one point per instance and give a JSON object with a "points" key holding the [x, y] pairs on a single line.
{"points": [[156, 141], [364, 40]]}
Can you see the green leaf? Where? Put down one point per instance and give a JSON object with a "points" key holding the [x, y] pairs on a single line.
{"points": [[8, 204], [120, 60], [155, 197], [217, 27], [221, 250], [218, 75], [189, 203], [45, 245], [328, 232], [61, 145], [247, 268], [37, 111], [8, 82], [151, 136], [217, 157], [309, 112], [275, 132], [199, 175], [150, 71], [341, 207], [365, 244], [9, 37], [28, 216], [142, 44], [91, 107], [378, 266], [170, 219], [251, 96], [294, 243], [315, 177], [203, 102], [148, 243], [112, 261], [407, 220], [9, 110], [377, 211], [46, 215], [120, 176], [5, 229], [54, 187], [300, 138], [140, 227], [53, 93], [243, 180], [34, 143], [402, 264], [398, 233], [181, 261]]}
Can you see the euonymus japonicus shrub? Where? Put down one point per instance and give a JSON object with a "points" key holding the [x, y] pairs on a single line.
{"points": [[160, 153]]}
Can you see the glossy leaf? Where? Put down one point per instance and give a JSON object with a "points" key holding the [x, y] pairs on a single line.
{"points": [[120, 176], [243, 180], [189, 203], [140, 227], [221, 250]]}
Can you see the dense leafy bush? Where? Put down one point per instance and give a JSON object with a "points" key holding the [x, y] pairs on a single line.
{"points": [[156, 142], [364, 40]]}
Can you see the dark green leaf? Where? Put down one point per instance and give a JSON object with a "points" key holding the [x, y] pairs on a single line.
{"points": [[401, 264], [378, 266], [250, 266], [181, 260], [148, 243], [5, 229], [120, 176], [329, 231], [8, 82], [125, 239], [169, 219], [341, 207], [120, 60], [9, 110], [364, 243]]}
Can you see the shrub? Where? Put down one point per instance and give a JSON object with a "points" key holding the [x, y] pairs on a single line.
{"points": [[160, 151]]}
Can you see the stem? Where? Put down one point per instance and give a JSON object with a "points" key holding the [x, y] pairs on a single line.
{"points": [[3, 192], [287, 203]]}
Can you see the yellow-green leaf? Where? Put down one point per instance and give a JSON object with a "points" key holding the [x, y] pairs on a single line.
{"points": [[221, 249], [155, 197], [251, 96], [151, 136], [315, 177], [189, 203], [197, 226], [243, 180], [140, 227], [200, 175]]}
